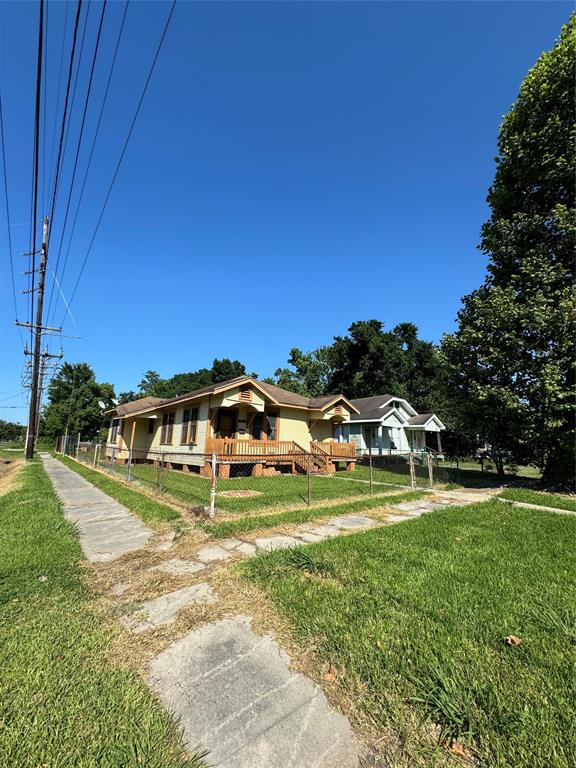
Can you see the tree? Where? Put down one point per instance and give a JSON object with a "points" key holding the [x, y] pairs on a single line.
{"points": [[150, 384], [512, 357], [309, 375], [11, 431], [73, 402]]}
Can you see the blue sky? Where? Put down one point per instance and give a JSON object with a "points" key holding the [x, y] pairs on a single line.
{"points": [[295, 167]]}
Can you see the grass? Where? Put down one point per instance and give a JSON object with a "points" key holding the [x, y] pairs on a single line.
{"points": [[143, 506], [244, 525], [413, 619], [277, 491], [555, 500], [61, 702], [380, 475]]}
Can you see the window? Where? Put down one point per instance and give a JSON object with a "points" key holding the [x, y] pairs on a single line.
{"points": [[114, 430], [150, 426], [167, 428], [189, 426]]}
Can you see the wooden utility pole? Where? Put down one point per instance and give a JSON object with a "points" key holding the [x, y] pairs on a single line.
{"points": [[35, 388]]}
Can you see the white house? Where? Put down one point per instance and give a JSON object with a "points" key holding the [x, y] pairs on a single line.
{"points": [[386, 425]]}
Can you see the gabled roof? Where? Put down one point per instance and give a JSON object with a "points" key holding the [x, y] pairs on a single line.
{"points": [[370, 408], [134, 406], [278, 396], [423, 419]]}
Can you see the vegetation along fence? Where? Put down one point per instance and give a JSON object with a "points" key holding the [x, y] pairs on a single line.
{"points": [[241, 484]]}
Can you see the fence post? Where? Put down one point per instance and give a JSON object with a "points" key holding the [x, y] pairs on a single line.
{"points": [[213, 486], [78, 445], [430, 471], [129, 471], [370, 465], [95, 454], [457, 470], [308, 458], [412, 472]]}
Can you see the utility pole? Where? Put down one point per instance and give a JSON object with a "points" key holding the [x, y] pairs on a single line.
{"points": [[45, 367], [34, 389]]}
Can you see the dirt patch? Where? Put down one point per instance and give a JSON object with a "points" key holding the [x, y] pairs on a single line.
{"points": [[240, 494], [9, 470]]}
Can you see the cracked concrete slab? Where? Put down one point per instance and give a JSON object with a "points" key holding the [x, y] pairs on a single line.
{"points": [[269, 543], [212, 554], [325, 531], [234, 694], [351, 522], [246, 549], [164, 609], [230, 543], [106, 529], [178, 567]]}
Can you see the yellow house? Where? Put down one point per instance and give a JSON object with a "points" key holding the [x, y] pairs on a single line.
{"points": [[242, 421]]}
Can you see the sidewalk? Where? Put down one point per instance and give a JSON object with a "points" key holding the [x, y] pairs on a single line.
{"points": [[106, 529]]}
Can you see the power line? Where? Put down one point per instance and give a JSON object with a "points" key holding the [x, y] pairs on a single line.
{"points": [[150, 73], [8, 217], [36, 147], [63, 124], [58, 89], [79, 144], [96, 133]]}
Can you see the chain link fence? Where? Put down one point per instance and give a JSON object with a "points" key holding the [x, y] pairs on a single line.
{"points": [[239, 485]]}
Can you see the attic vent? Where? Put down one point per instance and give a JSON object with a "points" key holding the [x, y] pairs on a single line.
{"points": [[338, 409], [245, 393]]}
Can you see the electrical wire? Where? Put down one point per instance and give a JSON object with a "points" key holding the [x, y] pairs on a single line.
{"points": [[36, 152], [144, 90], [10, 251], [79, 144], [96, 133], [63, 124], [58, 94]]}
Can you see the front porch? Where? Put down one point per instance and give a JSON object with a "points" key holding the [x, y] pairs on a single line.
{"points": [[272, 456]]}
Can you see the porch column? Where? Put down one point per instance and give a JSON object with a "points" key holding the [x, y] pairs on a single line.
{"points": [[380, 439], [439, 441]]}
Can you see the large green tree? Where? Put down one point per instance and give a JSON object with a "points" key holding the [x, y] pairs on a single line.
{"points": [[73, 403], [153, 385], [512, 358], [367, 361]]}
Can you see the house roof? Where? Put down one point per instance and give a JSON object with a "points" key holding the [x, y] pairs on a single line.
{"points": [[370, 407], [277, 394], [420, 420], [134, 406]]}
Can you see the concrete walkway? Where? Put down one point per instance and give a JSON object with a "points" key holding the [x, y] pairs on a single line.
{"points": [[106, 529], [234, 694]]}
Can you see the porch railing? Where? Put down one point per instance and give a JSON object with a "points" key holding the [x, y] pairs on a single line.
{"points": [[335, 450], [228, 446]]}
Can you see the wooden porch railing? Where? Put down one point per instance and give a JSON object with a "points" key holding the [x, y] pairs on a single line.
{"points": [[228, 446], [335, 450]]}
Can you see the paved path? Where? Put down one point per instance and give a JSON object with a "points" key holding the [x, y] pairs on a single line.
{"points": [[106, 529], [234, 694], [540, 507]]}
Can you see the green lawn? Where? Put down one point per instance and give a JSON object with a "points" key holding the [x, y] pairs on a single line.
{"points": [[380, 475], [414, 618], [143, 506], [296, 516], [61, 702], [538, 497], [277, 491]]}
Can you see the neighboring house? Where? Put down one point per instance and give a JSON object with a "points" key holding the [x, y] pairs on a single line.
{"points": [[243, 421], [385, 424]]}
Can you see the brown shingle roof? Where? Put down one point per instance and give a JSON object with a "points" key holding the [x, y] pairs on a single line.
{"points": [[281, 396], [134, 406], [420, 420]]}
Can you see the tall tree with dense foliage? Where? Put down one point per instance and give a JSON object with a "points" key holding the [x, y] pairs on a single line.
{"points": [[513, 356], [11, 431], [73, 402], [367, 361], [153, 385]]}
